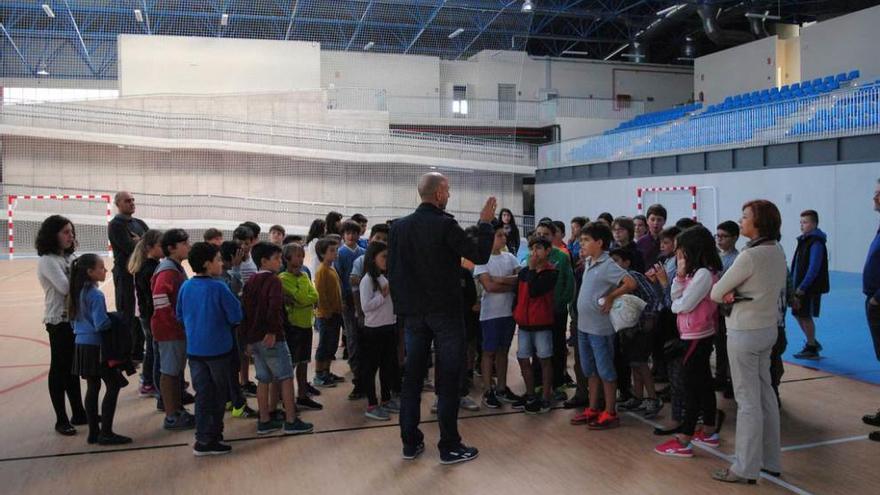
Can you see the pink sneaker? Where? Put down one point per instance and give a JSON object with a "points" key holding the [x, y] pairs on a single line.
{"points": [[708, 440], [674, 448], [147, 391]]}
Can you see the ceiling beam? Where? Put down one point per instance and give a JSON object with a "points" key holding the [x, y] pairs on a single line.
{"points": [[425, 25]]}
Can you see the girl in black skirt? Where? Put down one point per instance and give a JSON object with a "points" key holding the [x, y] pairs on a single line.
{"points": [[88, 311]]}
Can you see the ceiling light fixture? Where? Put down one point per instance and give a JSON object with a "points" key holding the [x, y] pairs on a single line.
{"points": [[455, 33], [224, 20], [369, 46], [527, 6], [48, 11], [138, 15]]}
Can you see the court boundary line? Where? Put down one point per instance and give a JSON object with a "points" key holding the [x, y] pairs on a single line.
{"points": [[721, 455], [246, 438], [835, 441]]}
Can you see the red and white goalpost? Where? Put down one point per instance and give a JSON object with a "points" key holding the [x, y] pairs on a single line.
{"points": [[14, 202], [697, 202], [640, 192]]}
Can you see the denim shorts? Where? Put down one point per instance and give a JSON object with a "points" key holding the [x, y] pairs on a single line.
{"points": [[328, 337], [272, 363], [172, 357], [535, 342], [597, 355], [497, 333]]}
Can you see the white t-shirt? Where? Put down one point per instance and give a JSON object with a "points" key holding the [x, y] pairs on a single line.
{"points": [[497, 304]]}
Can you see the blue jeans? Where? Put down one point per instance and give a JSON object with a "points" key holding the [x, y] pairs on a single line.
{"points": [[448, 333], [597, 355], [210, 379]]}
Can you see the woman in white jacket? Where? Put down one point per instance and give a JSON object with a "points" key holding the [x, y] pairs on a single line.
{"points": [[752, 286], [56, 242], [378, 341]]}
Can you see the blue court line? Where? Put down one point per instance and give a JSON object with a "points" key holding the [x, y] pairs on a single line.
{"points": [[843, 331]]}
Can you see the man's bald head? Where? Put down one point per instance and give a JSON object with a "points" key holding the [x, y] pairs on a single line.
{"points": [[434, 189], [124, 202]]}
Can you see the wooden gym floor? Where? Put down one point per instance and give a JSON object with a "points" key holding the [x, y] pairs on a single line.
{"points": [[825, 444]]}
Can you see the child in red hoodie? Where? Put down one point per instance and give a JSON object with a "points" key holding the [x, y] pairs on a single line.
{"points": [[167, 331]]}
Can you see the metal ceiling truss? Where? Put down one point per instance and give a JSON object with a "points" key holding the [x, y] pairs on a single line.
{"points": [[80, 40]]}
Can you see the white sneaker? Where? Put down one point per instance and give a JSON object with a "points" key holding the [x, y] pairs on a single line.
{"points": [[468, 404]]}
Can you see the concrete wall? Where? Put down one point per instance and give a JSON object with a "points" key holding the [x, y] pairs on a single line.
{"points": [[842, 44], [197, 65], [45, 165], [410, 75], [841, 194], [304, 106], [747, 67], [574, 128]]}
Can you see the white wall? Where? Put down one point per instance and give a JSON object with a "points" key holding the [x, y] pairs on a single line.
{"points": [[841, 194], [842, 44], [747, 67], [197, 65], [574, 128], [410, 75]]}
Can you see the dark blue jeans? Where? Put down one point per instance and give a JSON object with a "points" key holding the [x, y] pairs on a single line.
{"points": [[150, 365], [211, 383], [448, 333]]}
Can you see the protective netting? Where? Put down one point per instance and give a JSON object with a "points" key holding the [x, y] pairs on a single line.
{"points": [[679, 203]]}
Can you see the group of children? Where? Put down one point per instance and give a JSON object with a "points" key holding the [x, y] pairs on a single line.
{"points": [[260, 301]]}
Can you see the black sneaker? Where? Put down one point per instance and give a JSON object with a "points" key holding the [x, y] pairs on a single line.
{"points": [[112, 439], [411, 452], [298, 427], [337, 378], [213, 448], [187, 399], [462, 454], [537, 406], [307, 404], [356, 395], [160, 406], [490, 400], [180, 421], [520, 404], [559, 395], [874, 436], [507, 396], [312, 391], [277, 415], [270, 426], [575, 403], [808, 352], [249, 389], [872, 419]]}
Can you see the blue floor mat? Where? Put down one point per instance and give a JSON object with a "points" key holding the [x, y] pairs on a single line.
{"points": [[842, 330]]}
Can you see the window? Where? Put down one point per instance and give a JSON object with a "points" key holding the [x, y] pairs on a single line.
{"points": [[459, 101]]}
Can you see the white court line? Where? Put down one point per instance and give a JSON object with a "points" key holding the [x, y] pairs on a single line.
{"points": [[827, 442], [729, 458]]}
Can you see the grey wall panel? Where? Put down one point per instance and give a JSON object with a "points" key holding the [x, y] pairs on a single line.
{"points": [[782, 155], [719, 160], [748, 158], [692, 163], [665, 165], [819, 152]]}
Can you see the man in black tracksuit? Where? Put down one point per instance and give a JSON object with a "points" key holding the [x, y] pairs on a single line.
{"points": [[424, 258], [124, 232]]}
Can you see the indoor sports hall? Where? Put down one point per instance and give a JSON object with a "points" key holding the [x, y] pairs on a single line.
{"points": [[589, 142]]}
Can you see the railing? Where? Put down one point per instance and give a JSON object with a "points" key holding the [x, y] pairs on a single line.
{"points": [[848, 112], [87, 118]]}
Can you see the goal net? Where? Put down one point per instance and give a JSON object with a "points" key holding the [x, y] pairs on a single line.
{"points": [[695, 202], [89, 213]]}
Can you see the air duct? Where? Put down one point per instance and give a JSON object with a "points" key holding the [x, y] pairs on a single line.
{"points": [[722, 37]]}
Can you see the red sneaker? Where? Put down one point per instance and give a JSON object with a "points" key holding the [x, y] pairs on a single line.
{"points": [[674, 448], [708, 440], [585, 417], [605, 421]]}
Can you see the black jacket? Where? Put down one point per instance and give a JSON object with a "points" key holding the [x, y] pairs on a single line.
{"points": [[121, 231], [424, 259], [800, 263]]}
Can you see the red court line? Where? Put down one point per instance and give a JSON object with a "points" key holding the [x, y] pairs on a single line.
{"points": [[29, 339], [25, 383], [7, 366]]}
